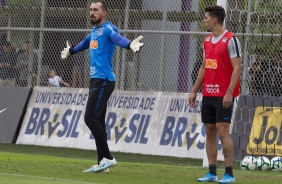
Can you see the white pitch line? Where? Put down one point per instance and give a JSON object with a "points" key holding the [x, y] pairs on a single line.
{"points": [[45, 178]]}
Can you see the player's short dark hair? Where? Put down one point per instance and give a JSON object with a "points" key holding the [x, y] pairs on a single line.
{"points": [[217, 12], [104, 5]]}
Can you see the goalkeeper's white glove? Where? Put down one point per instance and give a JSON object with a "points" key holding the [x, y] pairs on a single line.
{"points": [[66, 52], [135, 44]]}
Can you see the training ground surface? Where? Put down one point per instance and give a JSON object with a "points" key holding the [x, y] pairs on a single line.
{"points": [[20, 164]]}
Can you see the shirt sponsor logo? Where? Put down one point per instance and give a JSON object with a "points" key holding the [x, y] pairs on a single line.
{"points": [[92, 70], [224, 39], [100, 31], [208, 39], [211, 63], [212, 88], [94, 44]]}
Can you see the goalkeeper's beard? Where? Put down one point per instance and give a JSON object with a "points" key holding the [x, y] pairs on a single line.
{"points": [[95, 22]]}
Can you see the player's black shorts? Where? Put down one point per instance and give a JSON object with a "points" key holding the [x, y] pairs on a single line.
{"points": [[213, 111]]}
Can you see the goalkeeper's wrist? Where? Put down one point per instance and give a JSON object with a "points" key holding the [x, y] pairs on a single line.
{"points": [[71, 50], [128, 46]]}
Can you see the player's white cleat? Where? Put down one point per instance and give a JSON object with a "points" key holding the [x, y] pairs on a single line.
{"points": [[103, 166], [106, 171], [94, 166]]}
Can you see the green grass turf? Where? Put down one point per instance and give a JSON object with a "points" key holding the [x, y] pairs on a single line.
{"points": [[36, 164]]}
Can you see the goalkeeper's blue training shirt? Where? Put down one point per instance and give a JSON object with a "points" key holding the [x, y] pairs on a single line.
{"points": [[101, 43]]}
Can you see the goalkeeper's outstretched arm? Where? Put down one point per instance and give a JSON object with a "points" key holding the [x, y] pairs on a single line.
{"points": [[69, 50], [134, 45], [123, 42]]}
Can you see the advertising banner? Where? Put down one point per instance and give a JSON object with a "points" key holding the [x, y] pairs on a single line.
{"points": [[257, 128], [138, 122], [12, 108], [266, 132]]}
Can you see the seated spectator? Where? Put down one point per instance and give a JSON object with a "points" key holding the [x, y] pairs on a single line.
{"points": [[259, 71], [276, 71], [55, 81], [23, 62], [77, 71], [8, 65], [77, 77]]}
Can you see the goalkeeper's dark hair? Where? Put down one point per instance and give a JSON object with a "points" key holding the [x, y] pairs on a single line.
{"points": [[104, 5], [217, 12]]}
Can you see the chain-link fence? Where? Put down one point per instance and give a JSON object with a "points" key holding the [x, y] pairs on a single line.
{"points": [[35, 31]]}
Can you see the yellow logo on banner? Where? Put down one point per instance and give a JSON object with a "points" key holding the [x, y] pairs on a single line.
{"points": [[266, 134]]}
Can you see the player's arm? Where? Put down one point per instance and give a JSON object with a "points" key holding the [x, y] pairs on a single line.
{"points": [[236, 60], [200, 79], [123, 42], [227, 99], [235, 55], [236, 63], [81, 46], [120, 40], [198, 84], [70, 50]]}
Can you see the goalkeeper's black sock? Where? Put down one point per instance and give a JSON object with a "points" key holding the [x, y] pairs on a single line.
{"points": [[101, 140], [99, 158], [229, 170], [212, 169], [110, 157]]}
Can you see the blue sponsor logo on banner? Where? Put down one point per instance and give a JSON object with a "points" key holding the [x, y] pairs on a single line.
{"points": [[177, 128], [61, 98], [134, 132], [43, 120], [129, 102], [181, 105]]}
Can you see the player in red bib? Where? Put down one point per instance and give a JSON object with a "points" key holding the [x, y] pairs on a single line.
{"points": [[219, 76]]}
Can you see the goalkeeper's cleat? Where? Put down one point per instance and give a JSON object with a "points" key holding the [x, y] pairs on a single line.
{"points": [[91, 169], [106, 171], [208, 178], [103, 165], [95, 166], [227, 179]]}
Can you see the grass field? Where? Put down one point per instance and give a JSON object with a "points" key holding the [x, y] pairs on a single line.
{"points": [[34, 164]]}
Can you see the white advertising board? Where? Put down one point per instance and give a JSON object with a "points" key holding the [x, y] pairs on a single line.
{"points": [[154, 123]]}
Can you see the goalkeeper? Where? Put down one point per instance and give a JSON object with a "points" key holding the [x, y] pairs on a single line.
{"points": [[101, 43]]}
